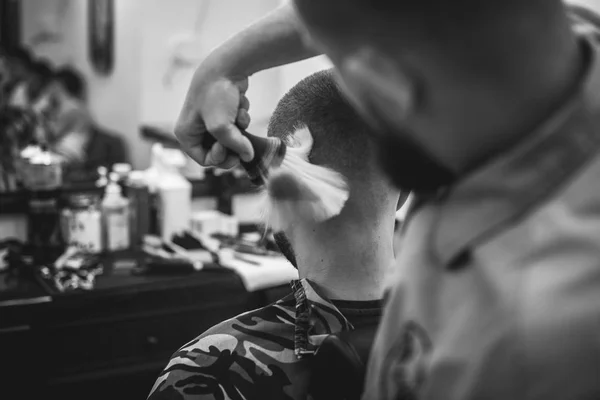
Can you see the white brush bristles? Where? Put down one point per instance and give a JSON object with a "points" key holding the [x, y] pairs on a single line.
{"points": [[299, 191]]}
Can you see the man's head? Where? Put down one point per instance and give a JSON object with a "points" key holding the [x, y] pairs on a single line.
{"points": [[423, 67], [343, 142], [63, 102], [71, 84], [40, 78]]}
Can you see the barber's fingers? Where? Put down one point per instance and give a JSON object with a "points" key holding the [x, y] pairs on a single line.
{"points": [[220, 157], [229, 135], [220, 116], [230, 162], [190, 132], [243, 119], [242, 85], [244, 103], [216, 155]]}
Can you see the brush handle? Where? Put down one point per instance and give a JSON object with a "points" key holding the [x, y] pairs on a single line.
{"points": [[261, 146]]}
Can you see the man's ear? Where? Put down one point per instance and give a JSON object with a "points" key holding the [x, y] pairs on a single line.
{"points": [[380, 87]]}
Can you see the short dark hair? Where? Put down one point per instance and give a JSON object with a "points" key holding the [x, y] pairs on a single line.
{"points": [[72, 81], [42, 67], [342, 140], [20, 54], [18, 127], [42, 72]]}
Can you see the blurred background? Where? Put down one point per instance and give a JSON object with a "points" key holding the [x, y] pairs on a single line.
{"points": [[135, 80], [115, 249], [155, 48]]}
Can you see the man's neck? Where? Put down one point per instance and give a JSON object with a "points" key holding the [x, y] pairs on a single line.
{"points": [[348, 264], [487, 118]]}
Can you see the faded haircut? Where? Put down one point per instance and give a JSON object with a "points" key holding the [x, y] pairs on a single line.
{"points": [[342, 141]]}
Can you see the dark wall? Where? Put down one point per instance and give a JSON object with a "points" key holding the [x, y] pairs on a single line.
{"points": [[10, 23]]}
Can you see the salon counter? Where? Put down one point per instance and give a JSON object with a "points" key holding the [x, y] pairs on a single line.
{"points": [[111, 342]]}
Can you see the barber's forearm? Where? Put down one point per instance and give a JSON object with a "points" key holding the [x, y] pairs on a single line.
{"points": [[270, 42]]}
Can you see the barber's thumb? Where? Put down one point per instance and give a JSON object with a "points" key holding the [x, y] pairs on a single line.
{"points": [[232, 138]]}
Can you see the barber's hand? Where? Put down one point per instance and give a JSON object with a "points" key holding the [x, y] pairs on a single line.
{"points": [[215, 105]]}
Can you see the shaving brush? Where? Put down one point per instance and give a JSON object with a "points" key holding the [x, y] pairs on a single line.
{"points": [[293, 188]]}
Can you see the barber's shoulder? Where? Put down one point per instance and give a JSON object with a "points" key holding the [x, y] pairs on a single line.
{"points": [[585, 20]]}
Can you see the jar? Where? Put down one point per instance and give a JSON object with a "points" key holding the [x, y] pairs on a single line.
{"points": [[82, 223], [42, 178], [42, 170]]}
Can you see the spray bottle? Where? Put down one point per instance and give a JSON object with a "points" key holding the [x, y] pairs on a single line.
{"points": [[173, 192], [115, 215]]}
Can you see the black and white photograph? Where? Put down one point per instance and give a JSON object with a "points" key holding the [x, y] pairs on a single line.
{"points": [[300, 199]]}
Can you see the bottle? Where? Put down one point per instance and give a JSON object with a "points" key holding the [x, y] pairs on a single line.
{"points": [[83, 223], [102, 180], [152, 178], [174, 201], [139, 197], [122, 170], [115, 214]]}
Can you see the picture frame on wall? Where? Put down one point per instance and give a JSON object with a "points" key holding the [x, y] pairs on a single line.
{"points": [[10, 23], [101, 27]]}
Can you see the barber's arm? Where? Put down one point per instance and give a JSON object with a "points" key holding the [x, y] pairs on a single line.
{"points": [[216, 102]]}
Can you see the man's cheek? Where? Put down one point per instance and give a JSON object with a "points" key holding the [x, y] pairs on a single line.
{"points": [[285, 247]]}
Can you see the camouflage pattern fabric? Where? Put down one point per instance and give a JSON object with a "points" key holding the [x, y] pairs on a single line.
{"points": [[261, 354]]}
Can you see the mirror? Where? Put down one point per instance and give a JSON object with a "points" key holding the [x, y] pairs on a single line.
{"points": [[10, 27], [101, 35]]}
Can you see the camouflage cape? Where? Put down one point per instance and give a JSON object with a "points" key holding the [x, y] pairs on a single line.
{"points": [[261, 354]]}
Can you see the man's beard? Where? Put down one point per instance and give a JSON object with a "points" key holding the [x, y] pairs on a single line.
{"points": [[406, 163], [410, 167], [285, 247]]}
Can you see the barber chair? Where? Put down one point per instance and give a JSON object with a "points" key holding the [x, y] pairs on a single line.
{"points": [[339, 365]]}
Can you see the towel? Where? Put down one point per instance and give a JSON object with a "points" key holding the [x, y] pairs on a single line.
{"points": [[259, 272]]}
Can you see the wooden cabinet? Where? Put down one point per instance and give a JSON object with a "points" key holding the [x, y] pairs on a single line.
{"points": [[113, 342]]}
